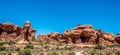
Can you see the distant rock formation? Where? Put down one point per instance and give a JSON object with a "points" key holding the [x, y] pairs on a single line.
{"points": [[9, 31], [81, 34]]}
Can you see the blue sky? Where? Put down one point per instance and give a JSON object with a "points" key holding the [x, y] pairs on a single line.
{"points": [[59, 15]]}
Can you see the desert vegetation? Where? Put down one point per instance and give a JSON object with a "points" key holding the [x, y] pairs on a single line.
{"points": [[51, 48]]}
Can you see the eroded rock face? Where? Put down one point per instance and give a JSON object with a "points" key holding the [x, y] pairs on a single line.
{"points": [[9, 31], [82, 34], [106, 38], [42, 38], [27, 32], [117, 38]]}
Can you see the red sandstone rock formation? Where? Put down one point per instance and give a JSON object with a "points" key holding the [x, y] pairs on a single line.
{"points": [[10, 31], [117, 38], [27, 32], [43, 38], [81, 34]]}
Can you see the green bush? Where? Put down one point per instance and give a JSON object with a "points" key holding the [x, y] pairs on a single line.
{"points": [[96, 53], [59, 44], [69, 47], [52, 53], [25, 52], [113, 45], [100, 47], [86, 47], [3, 53], [10, 42], [17, 49], [41, 44], [46, 47], [41, 53], [1, 43], [9, 53], [110, 53], [2, 48], [29, 46], [71, 53], [47, 42], [93, 53], [117, 53]]}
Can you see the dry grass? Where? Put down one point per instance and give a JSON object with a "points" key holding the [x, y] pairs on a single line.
{"points": [[61, 49]]}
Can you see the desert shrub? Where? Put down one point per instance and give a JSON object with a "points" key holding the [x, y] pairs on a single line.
{"points": [[113, 45], [1, 43], [59, 44], [94, 52], [110, 53], [3, 53], [2, 48], [9, 53], [25, 52], [46, 47], [10, 42], [100, 47], [68, 47], [17, 49], [41, 53], [47, 42], [70, 53], [41, 44], [29, 46], [117, 53], [52, 53], [100, 53], [86, 47]]}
